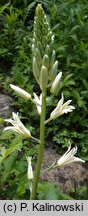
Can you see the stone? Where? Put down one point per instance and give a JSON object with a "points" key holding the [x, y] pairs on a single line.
{"points": [[5, 106], [66, 177]]}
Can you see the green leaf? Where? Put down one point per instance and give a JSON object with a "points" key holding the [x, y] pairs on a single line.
{"points": [[85, 83], [2, 8], [47, 191], [9, 164], [30, 6]]}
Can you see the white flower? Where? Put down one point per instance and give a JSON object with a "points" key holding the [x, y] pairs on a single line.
{"points": [[30, 171], [69, 157], [21, 92], [38, 102], [60, 109], [17, 126], [55, 84], [66, 159]]}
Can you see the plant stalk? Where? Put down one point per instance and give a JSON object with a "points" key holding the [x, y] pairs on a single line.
{"points": [[41, 147]]}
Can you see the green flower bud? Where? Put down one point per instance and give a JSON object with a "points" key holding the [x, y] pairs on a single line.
{"points": [[33, 48], [55, 84], [43, 78], [45, 61], [33, 40], [40, 48], [53, 71], [47, 50], [49, 37], [36, 71], [38, 57], [52, 40], [52, 58]]}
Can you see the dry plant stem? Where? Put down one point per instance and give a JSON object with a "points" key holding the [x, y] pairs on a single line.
{"points": [[41, 148]]}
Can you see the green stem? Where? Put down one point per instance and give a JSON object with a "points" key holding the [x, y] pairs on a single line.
{"points": [[41, 147], [47, 169], [48, 120], [37, 140]]}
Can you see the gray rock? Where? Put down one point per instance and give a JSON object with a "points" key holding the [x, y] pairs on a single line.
{"points": [[64, 177], [5, 106]]}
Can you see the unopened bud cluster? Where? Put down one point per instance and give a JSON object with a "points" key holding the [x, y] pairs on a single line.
{"points": [[44, 64]]}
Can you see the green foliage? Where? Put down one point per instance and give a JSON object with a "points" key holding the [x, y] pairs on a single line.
{"points": [[80, 192], [13, 166], [48, 191], [65, 139], [15, 143]]}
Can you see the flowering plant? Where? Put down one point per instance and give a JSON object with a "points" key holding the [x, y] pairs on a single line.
{"points": [[45, 71]]}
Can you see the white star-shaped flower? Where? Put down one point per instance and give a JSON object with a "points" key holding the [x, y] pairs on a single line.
{"points": [[60, 109], [17, 126], [69, 157]]}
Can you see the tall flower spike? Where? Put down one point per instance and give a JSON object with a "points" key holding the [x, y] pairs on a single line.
{"points": [[44, 64], [17, 126], [21, 92], [69, 157], [60, 109]]}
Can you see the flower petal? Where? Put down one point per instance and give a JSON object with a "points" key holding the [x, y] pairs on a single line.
{"points": [[17, 126], [21, 92], [68, 157]]}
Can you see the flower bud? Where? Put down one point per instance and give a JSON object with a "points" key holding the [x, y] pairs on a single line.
{"points": [[52, 40], [49, 36], [33, 48], [30, 171], [45, 61], [38, 56], [53, 71], [55, 84], [47, 50], [21, 92], [33, 40], [35, 70], [43, 78], [39, 46], [52, 58]]}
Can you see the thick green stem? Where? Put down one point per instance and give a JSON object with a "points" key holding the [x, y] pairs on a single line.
{"points": [[41, 148]]}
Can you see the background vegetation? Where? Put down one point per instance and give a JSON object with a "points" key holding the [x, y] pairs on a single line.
{"points": [[69, 23]]}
